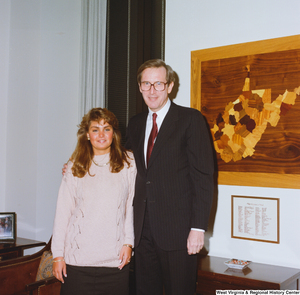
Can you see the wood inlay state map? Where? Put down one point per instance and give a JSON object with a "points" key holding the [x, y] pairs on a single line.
{"points": [[249, 95], [240, 127], [252, 106]]}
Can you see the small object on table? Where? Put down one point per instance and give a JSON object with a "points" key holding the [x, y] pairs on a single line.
{"points": [[237, 263]]}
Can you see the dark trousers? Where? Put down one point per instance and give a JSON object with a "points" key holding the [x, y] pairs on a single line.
{"points": [[156, 269], [95, 281]]}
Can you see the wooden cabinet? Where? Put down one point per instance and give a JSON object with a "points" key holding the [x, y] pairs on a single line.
{"points": [[14, 250], [214, 275]]}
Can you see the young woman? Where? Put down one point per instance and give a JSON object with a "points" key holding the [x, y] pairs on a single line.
{"points": [[93, 227]]}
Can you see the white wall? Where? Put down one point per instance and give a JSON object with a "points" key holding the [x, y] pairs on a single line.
{"points": [[4, 53], [39, 78], [200, 24]]}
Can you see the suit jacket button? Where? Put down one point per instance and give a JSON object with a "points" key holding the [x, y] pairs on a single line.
{"points": [[148, 182]]}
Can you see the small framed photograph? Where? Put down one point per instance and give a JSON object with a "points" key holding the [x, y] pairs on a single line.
{"points": [[7, 227]]}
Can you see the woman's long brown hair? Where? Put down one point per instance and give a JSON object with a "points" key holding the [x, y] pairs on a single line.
{"points": [[83, 154]]}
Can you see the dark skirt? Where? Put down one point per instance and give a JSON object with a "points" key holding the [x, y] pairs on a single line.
{"points": [[83, 280]]}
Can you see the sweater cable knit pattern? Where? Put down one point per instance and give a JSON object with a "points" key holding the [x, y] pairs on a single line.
{"points": [[94, 215]]}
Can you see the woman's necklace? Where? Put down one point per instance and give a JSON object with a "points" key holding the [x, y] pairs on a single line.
{"points": [[100, 165]]}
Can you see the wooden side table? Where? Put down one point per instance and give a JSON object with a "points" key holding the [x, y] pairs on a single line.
{"points": [[214, 275], [14, 250]]}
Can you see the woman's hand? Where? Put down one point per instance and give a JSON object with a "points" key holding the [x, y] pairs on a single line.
{"points": [[125, 255], [59, 268]]}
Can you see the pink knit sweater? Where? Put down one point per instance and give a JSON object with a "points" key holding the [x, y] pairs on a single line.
{"points": [[94, 215]]}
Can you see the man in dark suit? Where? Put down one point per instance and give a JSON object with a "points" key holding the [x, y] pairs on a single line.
{"points": [[174, 187]]}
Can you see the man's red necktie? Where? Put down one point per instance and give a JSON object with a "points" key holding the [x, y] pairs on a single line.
{"points": [[152, 137]]}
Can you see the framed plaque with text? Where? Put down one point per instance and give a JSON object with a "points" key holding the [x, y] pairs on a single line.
{"points": [[255, 218]]}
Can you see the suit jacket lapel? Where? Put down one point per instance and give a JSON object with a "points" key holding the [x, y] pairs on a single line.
{"points": [[165, 132], [140, 134]]}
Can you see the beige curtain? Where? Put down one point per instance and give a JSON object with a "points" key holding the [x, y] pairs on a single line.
{"points": [[92, 67]]}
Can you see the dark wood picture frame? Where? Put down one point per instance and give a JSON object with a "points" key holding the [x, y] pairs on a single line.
{"points": [[236, 176], [7, 227]]}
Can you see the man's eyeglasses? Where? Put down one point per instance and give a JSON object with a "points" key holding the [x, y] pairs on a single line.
{"points": [[158, 86]]}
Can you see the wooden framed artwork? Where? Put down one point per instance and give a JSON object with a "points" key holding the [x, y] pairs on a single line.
{"points": [[7, 227], [255, 218], [250, 96]]}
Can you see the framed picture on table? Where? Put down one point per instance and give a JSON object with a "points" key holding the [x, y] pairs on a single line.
{"points": [[7, 227]]}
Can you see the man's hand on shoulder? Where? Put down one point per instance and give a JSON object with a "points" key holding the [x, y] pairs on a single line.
{"points": [[64, 169], [195, 241]]}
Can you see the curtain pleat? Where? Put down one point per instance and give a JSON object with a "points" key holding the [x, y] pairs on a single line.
{"points": [[92, 67]]}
